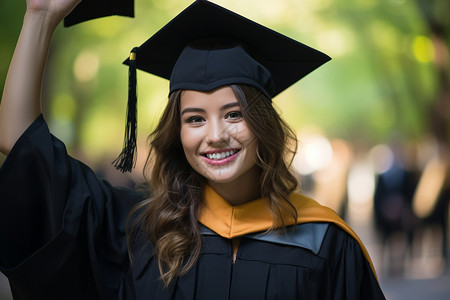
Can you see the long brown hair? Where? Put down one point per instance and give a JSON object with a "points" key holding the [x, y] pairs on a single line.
{"points": [[169, 217]]}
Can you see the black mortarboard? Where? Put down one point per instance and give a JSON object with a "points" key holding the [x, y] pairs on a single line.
{"points": [[93, 9], [286, 59], [256, 56]]}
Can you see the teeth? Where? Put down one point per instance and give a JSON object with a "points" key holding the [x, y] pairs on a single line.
{"points": [[221, 155]]}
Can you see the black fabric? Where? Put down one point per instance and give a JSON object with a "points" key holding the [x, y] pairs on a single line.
{"points": [[264, 270], [207, 69], [92, 9], [61, 229], [305, 235], [62, 237], [287, 60]]}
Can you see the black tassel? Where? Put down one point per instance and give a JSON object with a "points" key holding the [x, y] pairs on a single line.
{"points": [[127, 158]]}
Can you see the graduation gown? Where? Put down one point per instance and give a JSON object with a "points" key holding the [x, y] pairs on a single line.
{"points": [[62, 237]]}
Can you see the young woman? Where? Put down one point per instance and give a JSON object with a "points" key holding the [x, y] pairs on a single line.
{"points": [[222, 220]]}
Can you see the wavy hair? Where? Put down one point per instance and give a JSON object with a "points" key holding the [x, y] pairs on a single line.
{"points": [[169, 217]]}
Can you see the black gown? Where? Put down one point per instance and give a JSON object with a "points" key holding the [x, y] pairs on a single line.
{"points": [[62, 237]]}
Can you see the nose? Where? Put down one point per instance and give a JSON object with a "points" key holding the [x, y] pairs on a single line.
{"points": [[217, 132]]}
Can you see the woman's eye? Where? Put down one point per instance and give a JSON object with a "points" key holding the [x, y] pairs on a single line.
{"points": [[234, 115], [194, 119]]}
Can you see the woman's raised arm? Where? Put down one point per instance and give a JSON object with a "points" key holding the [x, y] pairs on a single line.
{"points": [[21, 99]]}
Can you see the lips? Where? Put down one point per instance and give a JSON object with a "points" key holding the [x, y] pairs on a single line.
{"points": [[220, 157]]}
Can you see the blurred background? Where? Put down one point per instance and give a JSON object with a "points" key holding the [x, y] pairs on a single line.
{"points": [[373, 123]]}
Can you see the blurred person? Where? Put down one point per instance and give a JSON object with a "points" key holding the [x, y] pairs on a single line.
{"points": [[222, 220], [393, 212]]}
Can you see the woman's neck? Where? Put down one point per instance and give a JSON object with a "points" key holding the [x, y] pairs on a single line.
{"points": [[238, 192]]}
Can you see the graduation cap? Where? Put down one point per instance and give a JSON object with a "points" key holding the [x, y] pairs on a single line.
{"points": [[286, 59], [93, 9], [207, 46]]}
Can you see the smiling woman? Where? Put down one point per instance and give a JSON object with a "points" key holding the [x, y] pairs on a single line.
{"points": [[198, 128], [216, 139], [222, 219]]}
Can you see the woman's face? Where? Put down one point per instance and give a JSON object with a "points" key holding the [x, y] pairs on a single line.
{"points": [[216, 139]]}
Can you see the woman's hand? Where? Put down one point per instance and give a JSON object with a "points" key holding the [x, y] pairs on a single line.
{"points": [[55, 10]]}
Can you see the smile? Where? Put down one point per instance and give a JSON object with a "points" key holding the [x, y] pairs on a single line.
{"points": [[221, 155]]}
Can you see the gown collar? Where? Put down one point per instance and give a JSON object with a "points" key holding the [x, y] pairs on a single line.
{"points": [[254, 216], [233, 221]]}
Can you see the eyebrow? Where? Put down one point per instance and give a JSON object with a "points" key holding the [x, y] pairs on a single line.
{"points": [[196, 109]]}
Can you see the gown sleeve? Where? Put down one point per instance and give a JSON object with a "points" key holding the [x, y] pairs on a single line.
{"points": [[351, 276], [62, 230]]}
